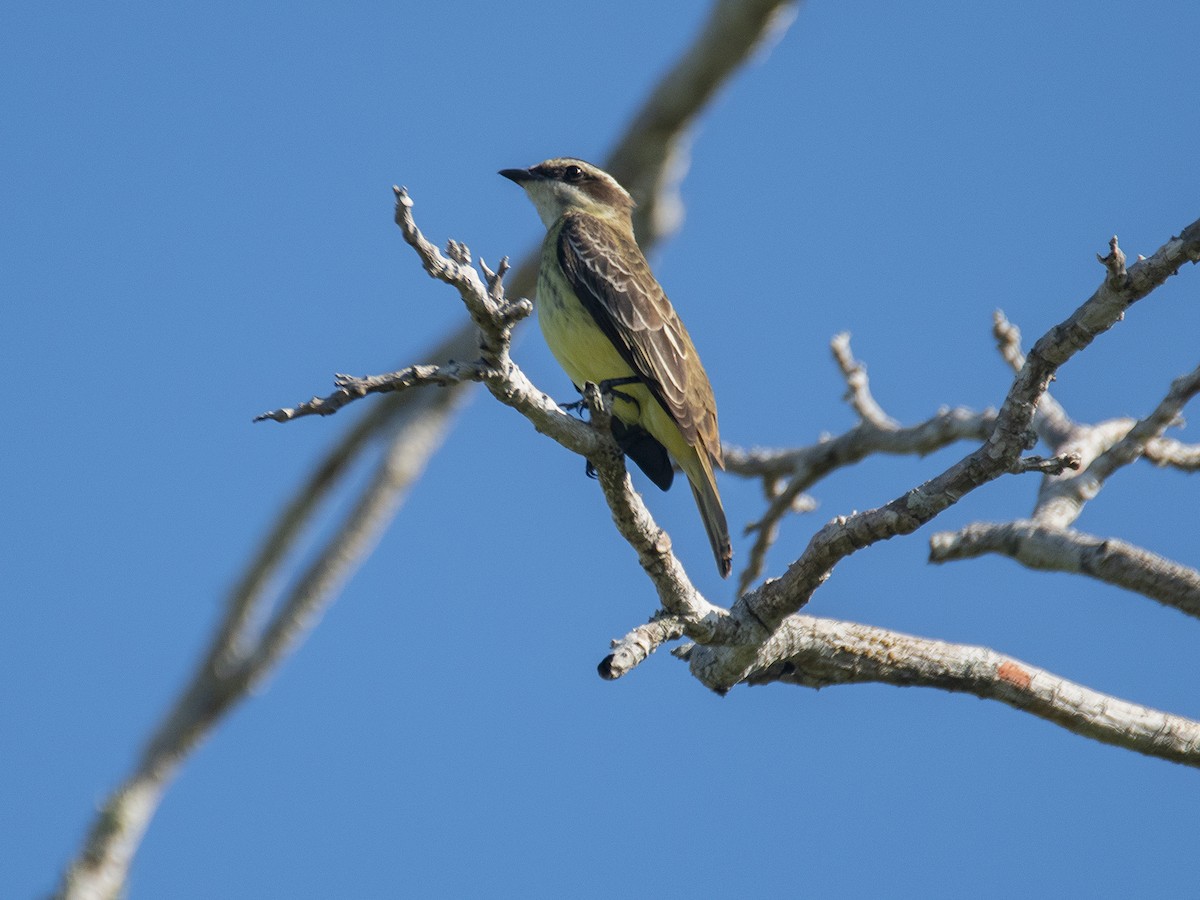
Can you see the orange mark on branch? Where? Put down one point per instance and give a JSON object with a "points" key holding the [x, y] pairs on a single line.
{"points": [[1012, 673]]}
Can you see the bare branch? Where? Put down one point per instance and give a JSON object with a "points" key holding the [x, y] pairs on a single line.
{"points": [[1168, 452], [1061, 499], [651, 158], [653, 545], [1053, 465], [1106, 447], [813, 462], [1133, 445], [1055, 549], [509, 385], [237, 660], [693, 613], [817, 653], [633, 649], [1051, 421], [786, 500], [771, 603], [1047, 541], [1115, 263], [858, 386], [351, 388], [876, 432]]}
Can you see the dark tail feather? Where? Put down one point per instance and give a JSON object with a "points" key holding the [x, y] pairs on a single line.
{"points": [[645, 450], [713, 515]]}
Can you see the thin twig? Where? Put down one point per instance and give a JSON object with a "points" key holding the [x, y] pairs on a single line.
{"points": [[787, 474], [858, 386], [1150, 428], [350, 388]]}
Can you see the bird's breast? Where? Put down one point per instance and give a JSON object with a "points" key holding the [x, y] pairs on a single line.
{"points": [[581, 348], [586, 354]]}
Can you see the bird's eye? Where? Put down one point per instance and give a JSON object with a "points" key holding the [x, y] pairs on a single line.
{"points": [[572, 173]]}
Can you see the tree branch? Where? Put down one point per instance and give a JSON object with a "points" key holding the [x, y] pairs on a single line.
{"points": [[817, 653], [237, 660], [767, 607], [858, 386], [876, 432], [1047, 541], [494, 317], [633, 649], [1052, 548], [1050, 421], [1170, 453], [1133, 445], [651, 158], [350, 388]]}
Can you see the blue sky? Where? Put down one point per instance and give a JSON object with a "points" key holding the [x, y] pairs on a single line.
{"points": [[197, 227]]}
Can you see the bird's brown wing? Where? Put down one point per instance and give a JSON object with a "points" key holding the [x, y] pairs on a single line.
{"points": [[612, 279]]}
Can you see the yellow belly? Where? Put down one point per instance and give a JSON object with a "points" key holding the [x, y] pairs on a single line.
{"points": [[586, 354]]}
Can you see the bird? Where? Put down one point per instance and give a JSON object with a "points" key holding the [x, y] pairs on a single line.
{"points": [[607, 321]]}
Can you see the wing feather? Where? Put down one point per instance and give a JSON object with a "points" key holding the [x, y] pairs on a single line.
{"points": [[612, 279]]}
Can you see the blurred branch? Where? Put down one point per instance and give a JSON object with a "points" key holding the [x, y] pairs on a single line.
{"points": [[1047, 541], [1133, 445], [238, 659], [411, 424], [650, 160], [818, 653], [1170, 453], [1107, 447]]}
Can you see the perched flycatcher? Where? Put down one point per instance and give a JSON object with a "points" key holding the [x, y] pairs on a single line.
{"points": [[608, 321]]}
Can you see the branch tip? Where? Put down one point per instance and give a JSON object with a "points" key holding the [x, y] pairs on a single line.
{"points": [[1053, 465], [1114, 262]]}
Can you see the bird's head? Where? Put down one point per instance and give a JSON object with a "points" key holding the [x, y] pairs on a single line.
{"points": [[559, 186]]}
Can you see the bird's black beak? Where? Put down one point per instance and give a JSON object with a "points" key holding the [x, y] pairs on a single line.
{"points": [[520, 176]]}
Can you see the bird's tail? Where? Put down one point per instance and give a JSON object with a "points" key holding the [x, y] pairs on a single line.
{"points": [[704, 489]]}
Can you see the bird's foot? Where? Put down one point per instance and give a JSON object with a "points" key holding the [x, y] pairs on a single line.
{"points": [[607, 386]]}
